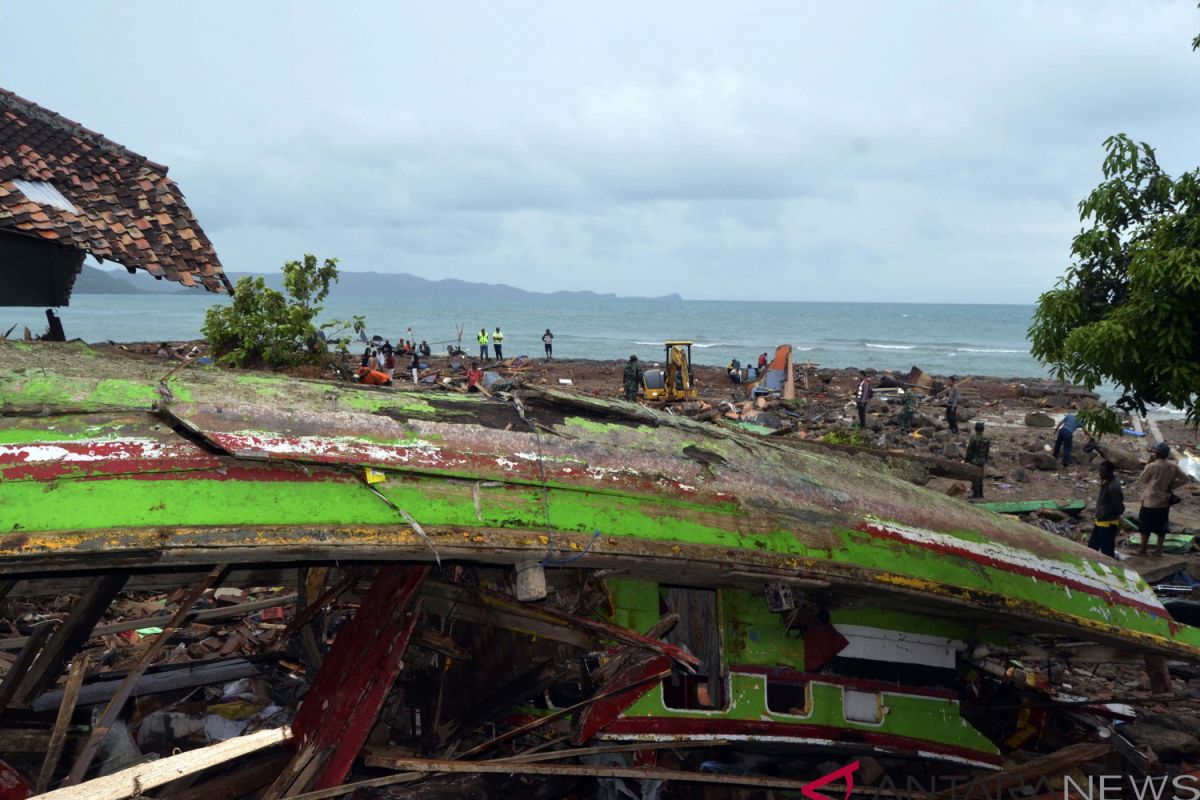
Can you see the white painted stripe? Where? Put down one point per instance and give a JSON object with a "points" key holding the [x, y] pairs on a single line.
{"points": [[1104, 578], [881, 644]]}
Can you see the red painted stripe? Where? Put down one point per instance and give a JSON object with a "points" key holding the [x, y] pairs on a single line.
{"points": [[788, 675], [659, 726], [446, 462], [1109, 596]]}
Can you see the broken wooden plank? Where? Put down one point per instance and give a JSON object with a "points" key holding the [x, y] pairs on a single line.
{"points": [[352, 684], [559, 714], [107, 717], [139, 778], [66, 709], [582, 770], [622, 691], [1055, 763], [158, 620], [71, 636], [1072, 507], [528, 684]]}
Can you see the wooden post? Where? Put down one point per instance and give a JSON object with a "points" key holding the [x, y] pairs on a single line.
{"points": [[352, 684], [66, 710]]}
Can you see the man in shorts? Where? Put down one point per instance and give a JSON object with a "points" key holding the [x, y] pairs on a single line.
{"points": [[1159, 480]]}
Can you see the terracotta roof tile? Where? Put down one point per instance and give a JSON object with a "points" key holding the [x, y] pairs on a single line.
{"points": [[126, 202]]}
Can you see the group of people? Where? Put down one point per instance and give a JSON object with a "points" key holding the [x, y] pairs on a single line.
{"points": [[737, 374], [496, 341], [377, 367]]}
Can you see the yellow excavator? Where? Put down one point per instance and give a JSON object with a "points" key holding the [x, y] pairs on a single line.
{"points": [[674, 383]]}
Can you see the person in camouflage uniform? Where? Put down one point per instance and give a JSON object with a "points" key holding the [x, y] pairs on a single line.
{"points": [[632, 379], [908, 411], [978, 450]]}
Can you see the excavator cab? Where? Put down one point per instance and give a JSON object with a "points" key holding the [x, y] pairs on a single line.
{"points": [[676, 381]]}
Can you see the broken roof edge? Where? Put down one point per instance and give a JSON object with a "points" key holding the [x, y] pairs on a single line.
{"points": [[66, 123]]}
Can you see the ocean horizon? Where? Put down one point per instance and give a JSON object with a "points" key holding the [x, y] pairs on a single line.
{"points": [[942, 338]]}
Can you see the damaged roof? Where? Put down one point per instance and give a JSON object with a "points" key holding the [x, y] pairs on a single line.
{"points": [[61, 182]]}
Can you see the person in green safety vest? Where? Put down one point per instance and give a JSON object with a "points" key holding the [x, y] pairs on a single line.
{"points": [[498, 343], [483, 344]]}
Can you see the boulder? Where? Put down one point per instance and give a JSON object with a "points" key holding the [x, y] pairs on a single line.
{"points": [[1040, 460], [965, 414], [877, 406], [956, 489], [1020, 475], [1036, 419], [874, 423], [951, 450], [925, 432], [1169, 745], [1057, 401], [1034, 392], [943, 436], [1122, 459]]}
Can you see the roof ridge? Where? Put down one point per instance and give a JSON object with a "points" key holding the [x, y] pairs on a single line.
{"points": [[40, 112]]}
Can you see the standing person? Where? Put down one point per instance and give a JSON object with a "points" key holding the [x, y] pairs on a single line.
{"points": [[762, 362], [498, 343], [1159, 480], [1064, 438], [952, 404], [424, 349], [483, 344], [908, 411], [862, 396], [1110, 505], [978, 449], [389, 362], [548, 341], [415, 365], [632, 379]]}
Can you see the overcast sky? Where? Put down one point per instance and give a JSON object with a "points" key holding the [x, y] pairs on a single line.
{"points": [[787, 151]]}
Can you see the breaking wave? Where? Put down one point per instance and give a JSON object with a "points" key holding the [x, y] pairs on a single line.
{"points": [[987, 350], [892, 346]]}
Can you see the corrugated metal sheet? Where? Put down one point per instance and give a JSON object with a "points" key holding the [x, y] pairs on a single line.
{"points": [[46, 194]]}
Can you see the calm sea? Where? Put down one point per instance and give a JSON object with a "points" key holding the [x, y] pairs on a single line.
{"points": [[943, 339]]}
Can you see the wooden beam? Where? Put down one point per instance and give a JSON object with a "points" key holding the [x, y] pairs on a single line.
{"points": [[66, 710], [117, 703], [71, 636], [139, 778], [34, 643]]}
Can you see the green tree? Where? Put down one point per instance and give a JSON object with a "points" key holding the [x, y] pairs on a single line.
{"points": [[265, 327], [1128, 308]]}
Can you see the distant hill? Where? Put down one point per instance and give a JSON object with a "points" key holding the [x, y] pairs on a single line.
{"points": [[350, 284], [103, 281]]}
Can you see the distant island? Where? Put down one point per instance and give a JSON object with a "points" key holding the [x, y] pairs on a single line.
{"points": [[350, 284]]}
